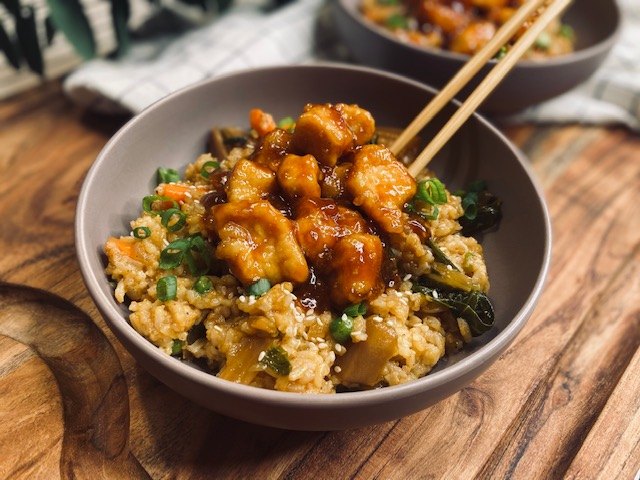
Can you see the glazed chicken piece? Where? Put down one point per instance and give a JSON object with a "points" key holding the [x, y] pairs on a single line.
{"points": [[322, 132], [355, 268], [298, 176], [487, 4], [475, 36], [380, 185], [321, 222], [272, 150], [258, 241], [447, 18], [360, 122], [333, 180], [250, 181]]}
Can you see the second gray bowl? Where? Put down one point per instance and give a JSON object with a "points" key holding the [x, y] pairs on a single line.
{"points": [[596, 23]]}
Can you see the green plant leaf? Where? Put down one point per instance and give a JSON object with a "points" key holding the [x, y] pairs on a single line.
{"points": [[120, 12], [68, 16], [13, 6], [28, 39], [50, 29], [9, 49]]}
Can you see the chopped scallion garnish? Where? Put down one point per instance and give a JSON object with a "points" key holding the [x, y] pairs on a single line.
{"points": [[167, 288], [157, 203], [203, 285], [141, 232], [356, 309], [173, 219], [167, 175], [397, 21], [259, 288], [341, 328], [543, 42], [208, 168], [287, 123], [176, 347], [276, 361]]}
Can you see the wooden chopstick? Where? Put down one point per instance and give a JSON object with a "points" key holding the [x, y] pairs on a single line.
{"points": [[555, 8], [467, 72]]}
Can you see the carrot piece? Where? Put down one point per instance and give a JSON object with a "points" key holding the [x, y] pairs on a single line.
{"points": [[175, 192], [126, 245], [261, 121]]}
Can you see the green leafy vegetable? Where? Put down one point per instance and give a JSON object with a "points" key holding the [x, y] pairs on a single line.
{"points": [[439, 254], [259, 288], [482, 209], [543, 42], [341, 328], [474, 307], [276, 361]]}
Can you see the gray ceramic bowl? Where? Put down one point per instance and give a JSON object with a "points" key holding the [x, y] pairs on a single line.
{"points": [[172, 133], [596, 23]]}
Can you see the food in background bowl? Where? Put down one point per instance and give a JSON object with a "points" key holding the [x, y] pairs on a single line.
{"points": [[461, 26], [304, 257]]}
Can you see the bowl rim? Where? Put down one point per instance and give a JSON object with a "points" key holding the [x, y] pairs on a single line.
{"points": [[121, 327], [568, 59]]}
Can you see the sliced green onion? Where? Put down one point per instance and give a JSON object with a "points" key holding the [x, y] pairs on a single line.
{"points": [[501, 53], [287, 123], [173, 219], [543, 42], [208, 168], [157, 203], [167, 175], [198, 256], [173, 254], [567, 31], [341, 328], [470, 205], [432, 192], [259, 288], [176, 347], [356, 309], [397, 21], [167, 288], [276, 361], [203, 285], [141, 232]]}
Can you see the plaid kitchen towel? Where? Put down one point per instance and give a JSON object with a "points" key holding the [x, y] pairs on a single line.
{"points": [[299, 33]]}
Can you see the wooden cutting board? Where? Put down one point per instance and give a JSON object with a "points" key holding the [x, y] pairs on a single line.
{"points": [[564, 400]]}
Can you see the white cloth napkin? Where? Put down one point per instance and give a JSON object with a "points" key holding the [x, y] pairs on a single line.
{"points": [[297, 33]]}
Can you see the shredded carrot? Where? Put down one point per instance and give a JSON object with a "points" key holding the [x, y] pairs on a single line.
{"points": [[126, 245], [261, 121], [175, 192]]}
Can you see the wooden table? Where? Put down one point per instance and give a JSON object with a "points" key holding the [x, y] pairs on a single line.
{"points": [[564, 400]]}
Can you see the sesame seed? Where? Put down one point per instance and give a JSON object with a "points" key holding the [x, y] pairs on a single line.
{"points": [[435, 294], [344, 316], [337, 369], [242, 298], [318, 321], [407, 277], [377, 318], [217, 328], [322, 345], [261, 356], [389, 323], [187, 194], [310, 311]]}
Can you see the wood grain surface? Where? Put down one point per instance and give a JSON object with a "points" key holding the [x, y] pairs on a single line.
{"points": [[563, 401]]}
